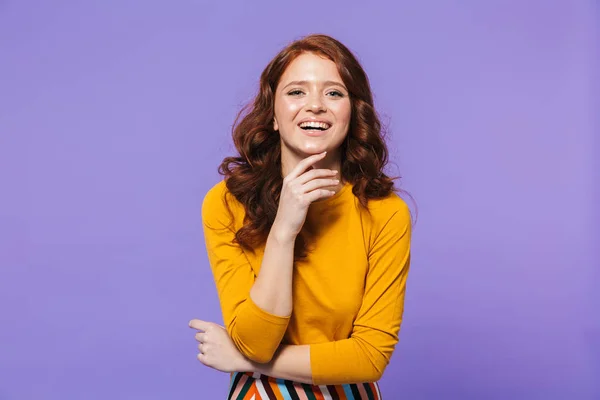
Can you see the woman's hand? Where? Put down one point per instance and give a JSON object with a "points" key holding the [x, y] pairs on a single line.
{"points": [[217, 350], [299, 190]]}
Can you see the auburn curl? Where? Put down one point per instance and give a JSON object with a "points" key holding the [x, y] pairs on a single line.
{"points": [[254, 176]]}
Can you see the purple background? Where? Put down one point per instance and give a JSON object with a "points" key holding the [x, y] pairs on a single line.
{"points": [[114, 116]]}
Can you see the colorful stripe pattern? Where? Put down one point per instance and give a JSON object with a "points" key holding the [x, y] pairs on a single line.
{"points": [[248, 386]]}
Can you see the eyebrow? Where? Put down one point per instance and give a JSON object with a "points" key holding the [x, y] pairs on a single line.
{"points": [[326, 83]]}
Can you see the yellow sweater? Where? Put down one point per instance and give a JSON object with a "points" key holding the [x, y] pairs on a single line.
{"points": [[348, 295]]}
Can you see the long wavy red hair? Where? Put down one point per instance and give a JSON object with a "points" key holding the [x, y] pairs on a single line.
{"points": [[254, 177]]}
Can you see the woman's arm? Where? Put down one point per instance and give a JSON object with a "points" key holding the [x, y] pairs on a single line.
{"points": [[256, 309], [364, 356], [255, 329], [289, 362], [272, 290]]}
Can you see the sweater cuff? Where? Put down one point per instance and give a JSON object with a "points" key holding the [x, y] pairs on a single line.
{"points": [[266, 316], [258, 333], [318, 362]]}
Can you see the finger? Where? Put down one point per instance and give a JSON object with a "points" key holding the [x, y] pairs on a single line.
{"points": [[202, 358], [304, 164], [201, 337], [314, 174], [199, 324], [318, 194], [319, 184], [201, 348]]}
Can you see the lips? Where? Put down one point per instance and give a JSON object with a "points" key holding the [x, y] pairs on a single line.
{"points": [[320, 126], [314, 125]]}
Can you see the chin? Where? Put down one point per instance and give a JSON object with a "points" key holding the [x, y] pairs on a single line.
{"points": [[312, 150]]}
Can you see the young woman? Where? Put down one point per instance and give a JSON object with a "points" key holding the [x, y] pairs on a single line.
{"points": [[307, 240]]}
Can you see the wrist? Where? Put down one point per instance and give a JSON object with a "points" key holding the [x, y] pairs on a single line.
{"points": [[259, 368], [247, 366], [254, 367], [281, 235]]}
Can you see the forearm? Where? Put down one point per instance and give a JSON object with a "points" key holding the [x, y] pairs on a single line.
{"points": [[339, 362], [272, 290], [290, 362]]}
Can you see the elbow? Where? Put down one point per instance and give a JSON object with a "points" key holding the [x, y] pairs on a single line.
{"points": [[258, 351], [260, 357], [376, 376], [374, 368], [374, 360], [256, 334], [365, 374], [373, 374]]}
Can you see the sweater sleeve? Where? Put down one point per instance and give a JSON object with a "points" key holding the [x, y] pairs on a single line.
{"points": [[255, 332], [364, 356]]}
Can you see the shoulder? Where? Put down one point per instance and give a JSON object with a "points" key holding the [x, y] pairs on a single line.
{"points": [[219, 206], [390, 209], [388, 206], [214, 198], [215, 195]]}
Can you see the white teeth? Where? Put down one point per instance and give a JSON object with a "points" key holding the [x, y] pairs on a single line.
{"points": [[322, 125]]}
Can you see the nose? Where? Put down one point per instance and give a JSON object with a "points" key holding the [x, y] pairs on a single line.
{"points": [[316, 104]]}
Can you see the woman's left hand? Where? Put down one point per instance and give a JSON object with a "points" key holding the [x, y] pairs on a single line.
{"points": [[217, 350]]}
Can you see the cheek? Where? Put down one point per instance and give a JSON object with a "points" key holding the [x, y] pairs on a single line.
{"points": [[343, 112], [287, 109], [292, 107]]}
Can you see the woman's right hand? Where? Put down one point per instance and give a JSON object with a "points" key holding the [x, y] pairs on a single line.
{"points": [[300, 189]]}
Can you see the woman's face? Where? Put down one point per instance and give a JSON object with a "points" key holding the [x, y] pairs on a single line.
{"points": [[312, 107]]}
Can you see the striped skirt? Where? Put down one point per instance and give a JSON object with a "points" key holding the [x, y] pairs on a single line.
{"points": [[249, 386]]}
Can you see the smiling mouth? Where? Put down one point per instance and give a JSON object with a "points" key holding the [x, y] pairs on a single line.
{"points": [[314, 126]]}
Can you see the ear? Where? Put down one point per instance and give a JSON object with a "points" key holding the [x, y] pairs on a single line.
{"points": [[275, 124]]}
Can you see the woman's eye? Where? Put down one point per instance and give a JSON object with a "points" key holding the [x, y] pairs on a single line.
{"points": [[335, 93], [295, 92]]}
